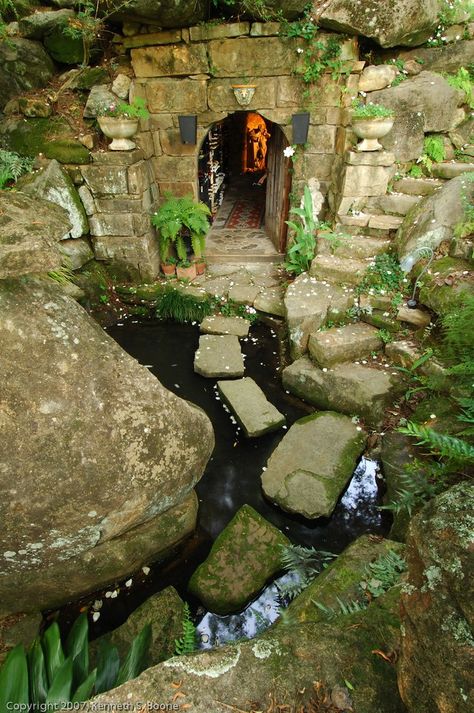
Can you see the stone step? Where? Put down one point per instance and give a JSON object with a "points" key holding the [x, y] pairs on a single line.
{"points": [[417, 186], [342, 344], [219, 356], [451, 169], [338, 270], [270, 301], [373, 221], [348, 388], [394, 203], [225, 325], [355, 246], [250, 406], [313, 463], [385, 222]]}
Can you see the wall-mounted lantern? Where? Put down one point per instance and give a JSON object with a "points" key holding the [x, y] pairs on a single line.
{"points": [[300, 123], [188, 129], [244, 93]]}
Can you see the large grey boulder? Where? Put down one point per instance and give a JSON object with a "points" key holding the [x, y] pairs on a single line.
{"points": [[425, 103], [97, 459], [433, 220], [388, 22], [312, 464], [435, 671], [347, 388], [447, 58], [24, 65], [242, 559], [54, 184], [29, 231]]}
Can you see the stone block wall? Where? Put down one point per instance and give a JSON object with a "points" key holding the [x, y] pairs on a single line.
{"points": [[190, 71], [118, 192]]}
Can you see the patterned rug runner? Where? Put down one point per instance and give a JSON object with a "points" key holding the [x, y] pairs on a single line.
{"points": [[246, 214]]}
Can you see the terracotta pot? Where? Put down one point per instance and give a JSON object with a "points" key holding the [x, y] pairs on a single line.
{"points": [[186, 273], [370, 130], [120, 130], [168, 269], [200, 265]]}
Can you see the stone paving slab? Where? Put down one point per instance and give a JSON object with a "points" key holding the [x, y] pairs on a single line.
{"points": [[348, 388], [219, 356], [313, 463], [244, 294], [339, 344], [225, 325], [250, 406], [270, 300]]}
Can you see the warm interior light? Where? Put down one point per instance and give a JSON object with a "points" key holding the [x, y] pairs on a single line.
{"points": [[254, 155]]}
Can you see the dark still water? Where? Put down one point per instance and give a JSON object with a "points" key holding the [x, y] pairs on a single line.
{"points": [[232, 476]]}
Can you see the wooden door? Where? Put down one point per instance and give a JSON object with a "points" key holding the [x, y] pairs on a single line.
{"points": [[278, 189]]}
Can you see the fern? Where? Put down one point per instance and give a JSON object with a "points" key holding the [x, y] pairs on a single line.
{"points": [[188, 641], [383, 573], [12, 166], [433, 148], [344, 608], [440, 444], [306, 563]]}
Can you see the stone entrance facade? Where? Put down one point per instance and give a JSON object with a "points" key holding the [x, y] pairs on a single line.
{"points": [[191, 71]]}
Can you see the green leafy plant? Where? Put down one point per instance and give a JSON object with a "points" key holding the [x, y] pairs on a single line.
{"points": [[178, 217], [370, 110], [12, 166], [433, 148], [463, 80], [445, 446], [56, 672], [187, 643], [303, 246], [415, 171], [175, 305], [122, 110], [383, 276], [306, 563], [386, 336]]}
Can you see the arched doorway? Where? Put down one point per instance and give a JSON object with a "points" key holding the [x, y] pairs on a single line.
{"points": [[245, 181]]}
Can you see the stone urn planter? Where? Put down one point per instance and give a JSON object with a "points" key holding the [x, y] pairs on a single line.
{"points": [[371, 129], [120, 130]]}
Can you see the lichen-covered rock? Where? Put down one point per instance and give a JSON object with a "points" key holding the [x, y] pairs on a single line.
{"points": [[302, 663], [312, 464], [341, 579], [447, 284], [435, 669], [388, 22], [29, 232], [24, 65], [446, 58], [433, 220], [377, 77], [164, 611], [77, 251], [244, 556], [109, 454], [53, 184], [52, 137]]}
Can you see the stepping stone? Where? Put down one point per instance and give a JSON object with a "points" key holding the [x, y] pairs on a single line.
{"points": [[242, 559], [270, 301], [348, 388], [417, 186], [225, 325], [251, 407], [336, 269], [307, 301], [385, 222], [354, 341], [219, 356], [451, 170], [244, 294], [313, 463], [355, 246]]}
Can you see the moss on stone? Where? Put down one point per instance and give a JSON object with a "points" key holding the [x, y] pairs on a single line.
{"points": [[50, 137], [442, 297], [63, 48]]}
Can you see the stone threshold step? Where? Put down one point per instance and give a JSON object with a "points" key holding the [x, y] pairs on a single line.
{"points": [[250, 406]]}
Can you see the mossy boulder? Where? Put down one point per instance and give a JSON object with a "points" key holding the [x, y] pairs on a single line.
{"points": [[24, 65], [164, 611], [62, 47], [243, 558], [311, 665], [398, 452], [435, 669], [162, 13], [341, 579], [447, 284], [51, 137]]}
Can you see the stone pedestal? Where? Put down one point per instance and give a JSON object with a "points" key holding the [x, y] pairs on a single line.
{"points": [[363, 174]]}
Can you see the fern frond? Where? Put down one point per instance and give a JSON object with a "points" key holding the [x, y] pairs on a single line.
{"points": [[188, 641], [439, 443]]}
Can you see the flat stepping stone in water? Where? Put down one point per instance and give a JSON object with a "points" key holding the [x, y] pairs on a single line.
{"points": [[353, 341], [242, 559], [250, 405], [219, 356], [313, 463], [348, 388], [225, 325]]}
